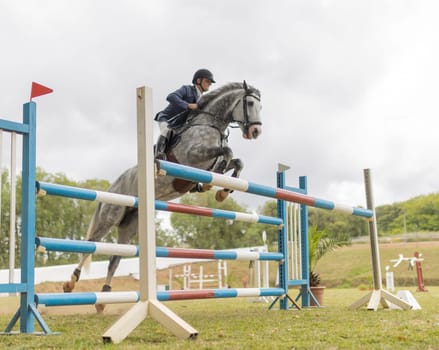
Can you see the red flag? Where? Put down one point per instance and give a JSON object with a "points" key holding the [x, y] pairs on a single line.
{"points": [[38, 90]]}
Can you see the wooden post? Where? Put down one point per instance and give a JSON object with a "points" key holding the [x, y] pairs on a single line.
{"points": [[148, 304], [378, 295]]}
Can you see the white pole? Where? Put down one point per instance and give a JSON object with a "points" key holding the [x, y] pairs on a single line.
{"points": [[257, 277], [185, 277], [299, 242], [296, 239], [1, 161], [12, 210], [189, 277], [220, 275], [265, 263], [265, 274], [225, 273], [290, 228], [390, 282], [170, 279], [201, 277]]}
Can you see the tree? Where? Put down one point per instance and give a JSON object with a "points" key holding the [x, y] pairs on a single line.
{"points": [[56, 217], [65, 218], [210, 233], [390, 218], [164, 236]]}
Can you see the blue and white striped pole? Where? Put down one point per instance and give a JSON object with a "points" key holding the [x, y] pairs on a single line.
{"points": [[132, 201], [91, 298], [207, 177], [102, 248]]}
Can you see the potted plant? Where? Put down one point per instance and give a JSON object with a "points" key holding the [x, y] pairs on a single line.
{"points": [[321, 242]]}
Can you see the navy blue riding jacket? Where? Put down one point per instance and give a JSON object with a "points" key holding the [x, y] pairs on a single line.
{"points": [[177, 110]]}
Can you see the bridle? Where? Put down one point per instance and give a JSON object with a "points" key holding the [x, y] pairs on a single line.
{"points": [[246, 123]]}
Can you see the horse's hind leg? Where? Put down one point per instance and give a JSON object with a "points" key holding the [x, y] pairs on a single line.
{"points": [[237, 165], [70, 285], [99, 227], [126, 231]]}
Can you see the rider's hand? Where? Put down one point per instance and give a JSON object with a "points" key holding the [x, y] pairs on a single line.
{"points": [[192, 106]]}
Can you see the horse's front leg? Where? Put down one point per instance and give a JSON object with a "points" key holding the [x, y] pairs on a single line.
{"points": [[200, 153], [237, 165], [196, 155]]}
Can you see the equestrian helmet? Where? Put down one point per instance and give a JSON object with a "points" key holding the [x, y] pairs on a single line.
{"points": [[203, 73]]}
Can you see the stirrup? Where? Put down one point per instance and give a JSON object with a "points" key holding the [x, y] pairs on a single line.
{"points": [[197, 188]]}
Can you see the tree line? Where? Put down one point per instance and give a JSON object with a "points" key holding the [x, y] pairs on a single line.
{"points": [[66, 218]]}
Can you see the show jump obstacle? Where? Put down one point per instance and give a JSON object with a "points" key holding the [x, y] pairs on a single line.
{"points": [[148, 299]]}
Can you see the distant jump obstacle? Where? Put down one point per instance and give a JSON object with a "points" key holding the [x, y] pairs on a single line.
{"points": [[415, 261], [148, 299]]}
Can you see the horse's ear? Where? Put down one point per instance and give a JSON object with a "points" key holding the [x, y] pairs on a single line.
{"points": [[245, 85]]}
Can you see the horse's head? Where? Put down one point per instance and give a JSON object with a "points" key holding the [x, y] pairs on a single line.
{"points": [[246, 112], [234, 103]]}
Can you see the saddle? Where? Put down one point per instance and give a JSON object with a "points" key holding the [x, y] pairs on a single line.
{"points": [[179, 185]]}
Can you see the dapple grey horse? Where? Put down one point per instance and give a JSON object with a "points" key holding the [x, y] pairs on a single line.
{"points": [[202, 143]]}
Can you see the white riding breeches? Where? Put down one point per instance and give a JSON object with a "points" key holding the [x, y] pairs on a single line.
{"points": [[164, 129]]}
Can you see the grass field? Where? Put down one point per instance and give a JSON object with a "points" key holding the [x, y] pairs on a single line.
{"points": [[349, 267], [242, 324]]}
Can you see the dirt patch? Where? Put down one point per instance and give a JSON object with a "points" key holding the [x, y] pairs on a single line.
{"points": [[118, 284], [9, 305], [112, 309]]}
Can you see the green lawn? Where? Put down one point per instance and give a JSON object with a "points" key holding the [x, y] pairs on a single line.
{"points": [[242, 324]]}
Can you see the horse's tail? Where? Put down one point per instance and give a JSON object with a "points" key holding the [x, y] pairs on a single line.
{"points": [[90, 229]]}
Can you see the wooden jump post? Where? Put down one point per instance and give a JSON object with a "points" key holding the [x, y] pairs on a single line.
{"points": [[148, 304], [379, 294]]}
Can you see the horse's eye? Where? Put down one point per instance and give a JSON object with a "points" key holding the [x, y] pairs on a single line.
{"points": [[250, 103]]}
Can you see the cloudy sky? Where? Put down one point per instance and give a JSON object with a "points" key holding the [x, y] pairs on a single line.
{"points": [[346, 85]]}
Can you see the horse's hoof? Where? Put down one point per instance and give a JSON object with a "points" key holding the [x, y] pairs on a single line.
{"points": [[221, 195], [206, 187], [68, 286], [106, 288], [99, 308]]}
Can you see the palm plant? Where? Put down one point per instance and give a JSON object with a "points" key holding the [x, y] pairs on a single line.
{"points": [[321, 242]]}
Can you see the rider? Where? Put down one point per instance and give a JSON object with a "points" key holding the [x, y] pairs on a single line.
{"points": [[181, 102]]}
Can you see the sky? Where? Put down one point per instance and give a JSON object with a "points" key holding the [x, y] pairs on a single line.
{"points": [[346, 85]]}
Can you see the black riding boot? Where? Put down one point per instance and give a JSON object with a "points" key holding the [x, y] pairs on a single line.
{"points": [[160, 148]]}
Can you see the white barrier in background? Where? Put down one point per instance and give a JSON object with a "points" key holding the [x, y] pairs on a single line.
{"points": [[98, 269]]}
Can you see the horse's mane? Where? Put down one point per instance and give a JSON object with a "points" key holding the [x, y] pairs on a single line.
{"points": [[227, 88]]}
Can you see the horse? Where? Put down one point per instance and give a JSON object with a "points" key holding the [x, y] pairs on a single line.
{"points": [[201, 142]]}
